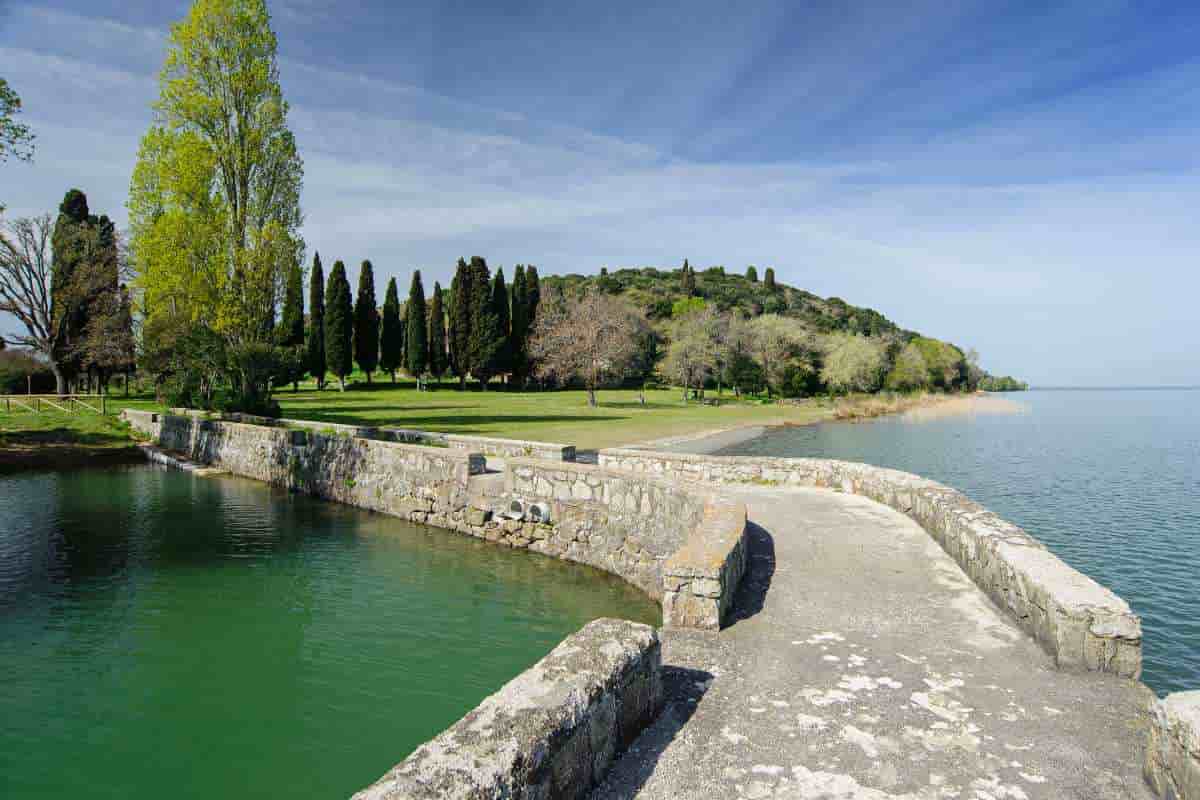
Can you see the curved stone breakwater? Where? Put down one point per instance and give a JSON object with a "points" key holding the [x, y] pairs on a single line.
{"points": [[657, 520]]}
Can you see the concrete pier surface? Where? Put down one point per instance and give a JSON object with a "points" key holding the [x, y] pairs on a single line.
{"points": [[863, 664]]}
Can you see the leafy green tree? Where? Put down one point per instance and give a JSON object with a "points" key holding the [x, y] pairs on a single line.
{"points": [[391, 338], [946, 364], [486, 336], [416, 357], [366, 322], [16, 139], [752, 274], [687, 280], [853, 362], [460, 323], [69, 245], [909, 372], [437, 334], [339, 324], [315, 362], [502, 362], [214, 203], [533, 294], [769, 279]]}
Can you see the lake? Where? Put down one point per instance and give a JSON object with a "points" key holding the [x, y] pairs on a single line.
{"points": [[166, 635], [1107, 479]]}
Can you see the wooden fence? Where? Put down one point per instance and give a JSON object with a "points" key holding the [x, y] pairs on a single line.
{"points": [[65, 403]]}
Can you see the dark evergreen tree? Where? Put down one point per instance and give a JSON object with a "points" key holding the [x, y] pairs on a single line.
{"points": [[520, 325], [366, 322], [486, 336], [316, 322], [460, 323], [769, 279], [339, 324], [533, 298], [687, 280], [290, 333], [503, 359], [416, 344], [391, 337], [69, 246], [752, 274], [437, 334]]}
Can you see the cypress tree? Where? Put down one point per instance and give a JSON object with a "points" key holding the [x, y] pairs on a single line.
{"points": [[460, 323], [339, 324], [752, 274], [67, 247], [366, 322], [291, 322], [290, 332], [769, 279], [687, 280], [316, 322], [520, 324], [502, 361], [416, 343], [533, 295], [437, 334], [391, 337], [486, 338]]}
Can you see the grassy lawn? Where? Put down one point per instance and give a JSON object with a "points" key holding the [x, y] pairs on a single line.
{"points": [[548, 416], [55, 439]]}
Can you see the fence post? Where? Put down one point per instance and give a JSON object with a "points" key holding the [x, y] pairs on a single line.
{"points": [[37, 404], [103, 405]]}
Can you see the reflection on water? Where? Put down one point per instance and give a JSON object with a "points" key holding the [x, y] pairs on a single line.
{"points": [[1108, 479], [212, 637]]}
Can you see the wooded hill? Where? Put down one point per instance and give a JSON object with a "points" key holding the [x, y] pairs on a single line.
{"points": [[661, 294]]}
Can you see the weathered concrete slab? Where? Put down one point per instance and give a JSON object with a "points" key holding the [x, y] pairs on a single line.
{"points": [[875, 669]]}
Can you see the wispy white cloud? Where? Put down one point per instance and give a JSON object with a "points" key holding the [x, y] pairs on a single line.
{"points": [[995, 235]]}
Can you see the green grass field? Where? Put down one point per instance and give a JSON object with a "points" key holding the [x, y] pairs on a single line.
{"points": [[548, 416]]}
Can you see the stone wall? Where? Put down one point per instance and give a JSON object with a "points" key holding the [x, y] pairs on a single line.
{"points": [[1173, 750], [673, 539], [551, 732], [488, 445], [1082, 624]]}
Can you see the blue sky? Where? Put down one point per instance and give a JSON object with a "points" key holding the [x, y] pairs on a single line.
{"points": [[1018, 178]]}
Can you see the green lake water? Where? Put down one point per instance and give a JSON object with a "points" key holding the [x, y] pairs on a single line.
{"points": [[163, 635]]}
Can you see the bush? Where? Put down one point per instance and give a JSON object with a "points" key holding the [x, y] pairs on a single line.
{"points": [[21, 373]]}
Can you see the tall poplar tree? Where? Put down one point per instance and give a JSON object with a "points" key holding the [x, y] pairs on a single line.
{"points": [[416, 343], [339, 324], [437, 334], [486, 337], [752, 274], [214, 205], [769, 279], [366, 322], [503, 359], [460, 323], [316, 322], [391, 337]]}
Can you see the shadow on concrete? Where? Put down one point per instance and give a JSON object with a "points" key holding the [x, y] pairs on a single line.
{"points": [[682, 690], [752, 594]]}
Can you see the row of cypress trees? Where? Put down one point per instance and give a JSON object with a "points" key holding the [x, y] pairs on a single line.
{"points": [[484, 331]]}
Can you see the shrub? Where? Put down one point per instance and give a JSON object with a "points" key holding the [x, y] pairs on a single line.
{"points": [[20, 373]]}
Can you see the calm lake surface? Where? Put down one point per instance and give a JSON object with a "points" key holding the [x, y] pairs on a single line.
{"points": [[163, 635], [1107, 479]]}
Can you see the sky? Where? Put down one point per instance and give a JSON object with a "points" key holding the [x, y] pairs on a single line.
{"points": [[1017, 178]]}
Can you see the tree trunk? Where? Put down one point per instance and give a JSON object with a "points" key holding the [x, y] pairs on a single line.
{"points": [[60, 380], [368, 379], [592, 396], [462, 383], [342, 379]]}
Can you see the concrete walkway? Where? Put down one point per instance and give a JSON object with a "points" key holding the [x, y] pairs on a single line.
{"points": [[864, 665]]}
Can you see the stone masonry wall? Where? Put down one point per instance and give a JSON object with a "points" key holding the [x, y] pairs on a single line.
{"points": [[670, 538], [488, 445], [551, 732], [1082, 624], [1173, 750]]}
